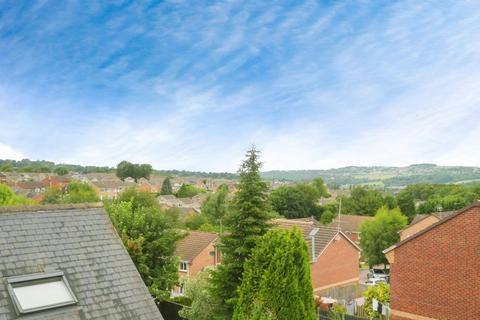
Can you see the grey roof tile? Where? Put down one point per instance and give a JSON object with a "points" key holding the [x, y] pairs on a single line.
{"points": [[82, 243]]}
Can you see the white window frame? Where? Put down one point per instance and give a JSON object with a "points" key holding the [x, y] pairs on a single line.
{"points": [[181, 264], [36, 278]]}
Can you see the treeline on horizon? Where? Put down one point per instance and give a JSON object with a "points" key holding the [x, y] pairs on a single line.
{"points": [[43, 166], [374, 177]]}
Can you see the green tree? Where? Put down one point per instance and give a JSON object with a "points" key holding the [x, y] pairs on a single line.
{"points": [[188, 191], [78, 192], [150, 237], [215, 205], [381, 292], [126, 169], [7, 167], [9, 198], [365, 202], [380, 233], [75, 192], [204, 305], [276, 282], [406, 203], [138, 198], [195, 221], [247, 221], [327, 217], [53, 195], [61, 171], [298, 201], [166, 187], [320, 186]]}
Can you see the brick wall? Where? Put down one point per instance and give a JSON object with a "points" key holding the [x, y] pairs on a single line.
{"points": [[204, 259], [437, 274], [339, 264]]}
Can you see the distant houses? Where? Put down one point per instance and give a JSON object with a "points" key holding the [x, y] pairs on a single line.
{"points": [[186, 205], [110, 189], [67, 262], [434, 269]]}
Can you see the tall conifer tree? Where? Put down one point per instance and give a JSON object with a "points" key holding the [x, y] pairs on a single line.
{"points": [[276, 282], [246, 222]]}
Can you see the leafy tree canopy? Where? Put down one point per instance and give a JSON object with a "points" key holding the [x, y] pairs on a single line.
{"points": [[61, 171], [296, 201], [366, 202], [188, 191], [436, 197], [276, 282], [9, 198], [380, 233], [215, 205], [381, 292], [150, 237], [75, 192], [135, 171], [204, 305], [138, 198]]}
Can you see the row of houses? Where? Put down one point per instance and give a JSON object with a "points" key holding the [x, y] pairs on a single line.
{"points": [[334, 256], [107, 185]]}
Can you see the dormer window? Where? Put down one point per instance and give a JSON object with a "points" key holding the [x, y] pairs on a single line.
{"points": [[40, 291]]}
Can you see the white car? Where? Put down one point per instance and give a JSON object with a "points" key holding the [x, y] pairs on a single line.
{"points": [[377, 274], [374, 281]]}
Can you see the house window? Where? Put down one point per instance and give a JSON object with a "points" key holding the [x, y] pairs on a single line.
{"points": [[183, 266], [182, 289], [40, 291]]}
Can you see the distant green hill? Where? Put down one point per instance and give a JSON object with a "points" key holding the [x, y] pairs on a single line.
{"points": [[377, 177], [381, 177]]}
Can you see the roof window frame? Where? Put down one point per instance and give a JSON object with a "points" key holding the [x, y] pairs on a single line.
{"points": [[37, 278]]}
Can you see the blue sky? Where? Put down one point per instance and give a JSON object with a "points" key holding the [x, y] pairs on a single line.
{"points": [[191, 85]]}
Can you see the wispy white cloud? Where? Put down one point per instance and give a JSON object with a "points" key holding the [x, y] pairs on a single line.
{"points": [[191, 86], [7, 152]]}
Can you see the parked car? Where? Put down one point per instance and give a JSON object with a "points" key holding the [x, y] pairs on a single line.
{"points": [[377, 274], [374, 281]]}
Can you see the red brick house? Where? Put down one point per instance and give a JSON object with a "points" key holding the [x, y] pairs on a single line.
{"points": [[350, 225], [334, 257], [196, 252], [435, 273]]}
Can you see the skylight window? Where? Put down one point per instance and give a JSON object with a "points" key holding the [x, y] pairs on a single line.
{"points": [[40, 291]]}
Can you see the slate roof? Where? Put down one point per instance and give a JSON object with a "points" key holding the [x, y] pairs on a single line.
{"points": [[323, 237], [350, 222], [80, 241], [191, 246]]}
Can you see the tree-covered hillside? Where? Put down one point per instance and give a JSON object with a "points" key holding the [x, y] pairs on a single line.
{"points": [[382, 177]]}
